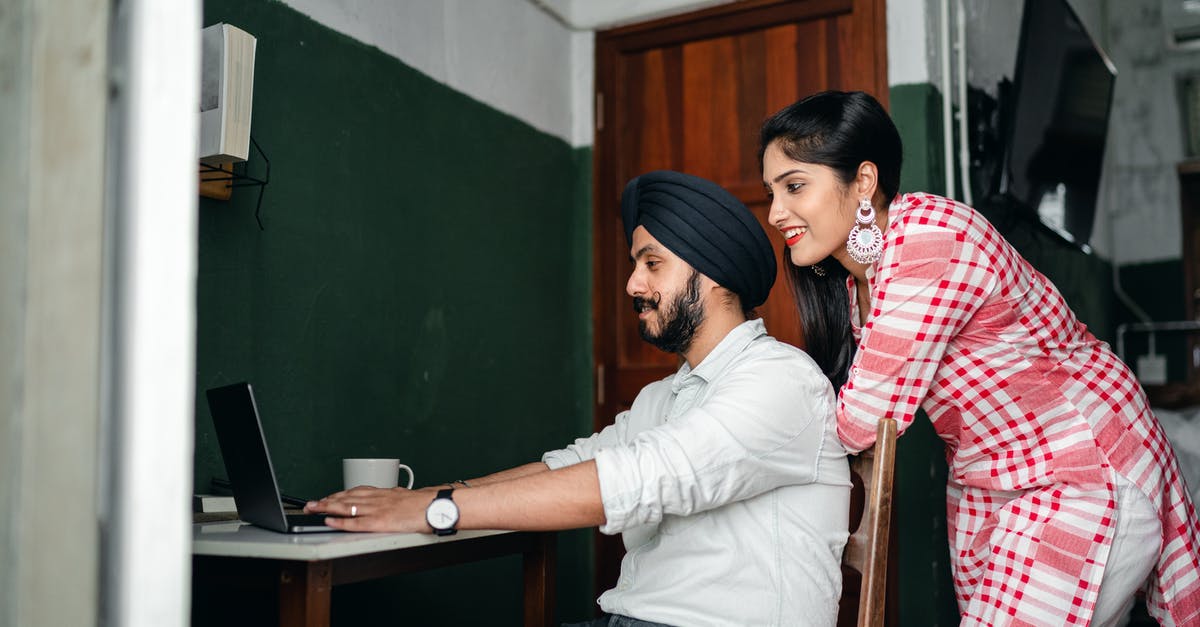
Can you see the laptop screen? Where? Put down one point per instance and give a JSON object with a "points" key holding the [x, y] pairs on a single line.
{"points": [[244, 449]]}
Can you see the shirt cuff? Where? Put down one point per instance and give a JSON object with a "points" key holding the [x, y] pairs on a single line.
{"points": [[560, 459]]}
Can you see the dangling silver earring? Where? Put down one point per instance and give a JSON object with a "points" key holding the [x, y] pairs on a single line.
{"points": [[818, 269], [865, 243]]}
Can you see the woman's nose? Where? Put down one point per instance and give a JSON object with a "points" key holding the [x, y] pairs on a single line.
{"points": [[776, 215]]}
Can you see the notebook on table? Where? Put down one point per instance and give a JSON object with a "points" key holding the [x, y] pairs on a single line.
{"points": [[248, 463]]}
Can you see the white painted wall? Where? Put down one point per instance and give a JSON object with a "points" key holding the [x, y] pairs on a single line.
{"points": [[509, 54], [1146, 143], [912, 30], [602, 14]]}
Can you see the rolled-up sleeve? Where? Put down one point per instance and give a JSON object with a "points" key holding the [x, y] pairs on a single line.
{"points": [[761, 427]]}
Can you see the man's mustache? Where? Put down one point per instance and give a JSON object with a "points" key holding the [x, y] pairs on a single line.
{"points": [[641, 304]]}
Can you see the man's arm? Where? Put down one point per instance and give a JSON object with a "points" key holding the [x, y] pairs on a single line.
{"points": [[517, 472], [567, 498], [582, 450]]}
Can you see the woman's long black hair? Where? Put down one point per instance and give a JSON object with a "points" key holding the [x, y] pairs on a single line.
{"points": [[839, 130], [824, 306]]}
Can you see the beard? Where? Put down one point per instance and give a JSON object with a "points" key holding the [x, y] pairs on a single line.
{"points": [[679, 319]]}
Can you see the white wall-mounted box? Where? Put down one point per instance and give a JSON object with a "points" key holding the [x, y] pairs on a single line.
{"points": [[226, 93]]}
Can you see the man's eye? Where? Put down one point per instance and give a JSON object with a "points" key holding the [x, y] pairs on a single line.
{"points": [[652, 264]]}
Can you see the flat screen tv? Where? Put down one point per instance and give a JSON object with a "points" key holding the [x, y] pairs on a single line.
{"points": [[1057, 121]]}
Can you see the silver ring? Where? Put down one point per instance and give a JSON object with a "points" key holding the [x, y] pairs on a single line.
{"points": [[353, 511]]}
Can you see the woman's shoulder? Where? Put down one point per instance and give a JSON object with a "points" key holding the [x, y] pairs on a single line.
{"points": [[932, 210], [940, 222], [925, 212]]}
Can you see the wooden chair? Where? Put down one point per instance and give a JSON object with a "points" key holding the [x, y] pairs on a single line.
{"points": [[867, 549]]}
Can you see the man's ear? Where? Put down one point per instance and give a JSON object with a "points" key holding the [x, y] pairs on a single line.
{"points": [[727, 297]]}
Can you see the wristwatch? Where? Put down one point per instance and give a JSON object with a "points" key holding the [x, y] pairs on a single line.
{"points": [[442, 513]]}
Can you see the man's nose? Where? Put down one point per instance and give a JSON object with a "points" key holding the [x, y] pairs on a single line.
{"points": [[636, 285]]}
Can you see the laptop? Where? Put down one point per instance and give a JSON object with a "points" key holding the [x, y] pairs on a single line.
{"points": [[248, 463]]}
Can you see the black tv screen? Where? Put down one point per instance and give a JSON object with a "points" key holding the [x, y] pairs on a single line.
{"points": [[1058, 120]]}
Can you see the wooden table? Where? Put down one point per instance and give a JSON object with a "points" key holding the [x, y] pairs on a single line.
{"points": [[304, 568]]}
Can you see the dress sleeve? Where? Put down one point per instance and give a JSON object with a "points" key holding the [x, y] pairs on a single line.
{"points": [[927, 288], [761, 428]]}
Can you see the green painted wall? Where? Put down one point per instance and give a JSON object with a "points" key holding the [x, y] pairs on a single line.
{"points": [[925, 586], [916, 110], [421, 290]]}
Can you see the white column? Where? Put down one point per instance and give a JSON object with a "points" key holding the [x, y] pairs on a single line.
{"points": [[53, 69], [149, 357]]}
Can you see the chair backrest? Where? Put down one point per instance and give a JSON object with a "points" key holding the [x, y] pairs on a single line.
{"points": [[867, 548]]}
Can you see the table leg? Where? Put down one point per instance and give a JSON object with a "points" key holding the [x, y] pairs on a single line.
{"points": [[305, 592], [539, 581]]}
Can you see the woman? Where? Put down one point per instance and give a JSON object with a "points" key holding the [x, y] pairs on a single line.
{"points": [[1064, 496]]}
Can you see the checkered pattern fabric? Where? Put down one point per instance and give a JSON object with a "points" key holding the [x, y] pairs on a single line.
{"points": [[1036, 414]]}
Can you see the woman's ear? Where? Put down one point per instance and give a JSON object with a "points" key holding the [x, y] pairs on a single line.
{"points": [[867, 180]]}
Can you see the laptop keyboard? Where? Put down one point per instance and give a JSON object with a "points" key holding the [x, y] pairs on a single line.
{"points": [[306, 520]]}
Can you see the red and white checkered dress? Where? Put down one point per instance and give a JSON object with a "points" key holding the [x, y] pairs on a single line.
{"points": [[1036, 414]]}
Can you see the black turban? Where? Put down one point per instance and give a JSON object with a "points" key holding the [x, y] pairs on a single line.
{"points": [[705, 226]]}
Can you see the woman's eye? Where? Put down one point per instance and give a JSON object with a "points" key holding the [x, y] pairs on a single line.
{"points": [[794, 187]]}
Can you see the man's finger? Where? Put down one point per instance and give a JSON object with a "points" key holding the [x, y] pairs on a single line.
{"points": [[344, 524], [355, 524]]}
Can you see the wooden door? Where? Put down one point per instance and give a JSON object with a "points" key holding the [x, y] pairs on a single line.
{"points": [[689, 93]]}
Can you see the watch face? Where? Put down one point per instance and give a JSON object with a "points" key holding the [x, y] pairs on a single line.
{"points": [[442, 514]]}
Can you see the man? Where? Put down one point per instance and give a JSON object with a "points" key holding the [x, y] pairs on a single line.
{"points": [[726, 479]]}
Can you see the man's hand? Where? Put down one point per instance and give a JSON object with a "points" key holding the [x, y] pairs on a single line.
{"points": [[374, 509]]}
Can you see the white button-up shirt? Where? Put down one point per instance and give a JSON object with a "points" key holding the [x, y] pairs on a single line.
{"points": [[730, 488]]}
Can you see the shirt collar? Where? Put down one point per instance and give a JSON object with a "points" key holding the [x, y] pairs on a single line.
{"points": [[729, 347]]}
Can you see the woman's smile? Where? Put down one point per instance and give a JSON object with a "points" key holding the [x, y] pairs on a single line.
{"points": [[794, 234]]}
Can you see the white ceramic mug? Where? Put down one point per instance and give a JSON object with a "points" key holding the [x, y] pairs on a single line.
{"points": [[380, 473]]}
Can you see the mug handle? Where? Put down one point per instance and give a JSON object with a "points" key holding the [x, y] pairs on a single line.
{"points": [[410, 475]]}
